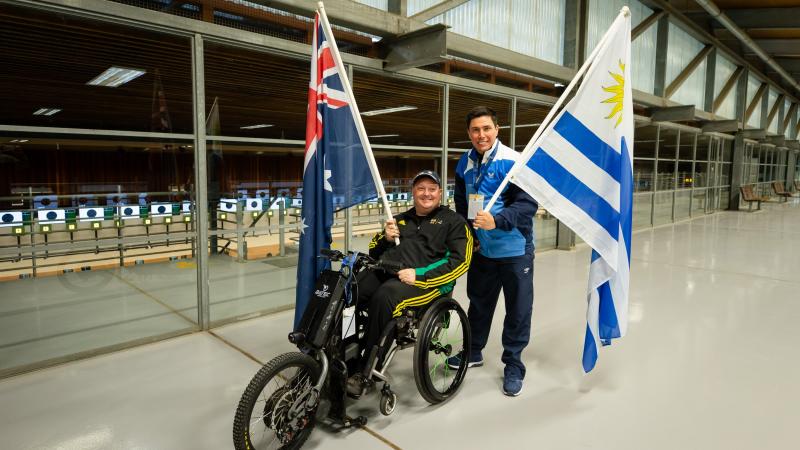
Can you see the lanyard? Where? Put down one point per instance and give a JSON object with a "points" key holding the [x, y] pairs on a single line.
{"points": [[477, 172]]}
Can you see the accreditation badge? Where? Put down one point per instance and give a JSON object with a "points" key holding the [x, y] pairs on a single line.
{"points": [[475, 205]]}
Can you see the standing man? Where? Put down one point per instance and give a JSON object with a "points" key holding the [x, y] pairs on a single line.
{"points": [[504, 244]]}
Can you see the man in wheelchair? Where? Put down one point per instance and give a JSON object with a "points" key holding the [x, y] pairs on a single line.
{"points": [[435, 248]]}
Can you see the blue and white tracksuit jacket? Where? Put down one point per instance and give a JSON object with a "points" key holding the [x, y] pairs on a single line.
{"points": [[513, 211]]}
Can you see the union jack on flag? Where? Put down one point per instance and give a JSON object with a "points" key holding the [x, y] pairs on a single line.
{"points": [[335, 163]]}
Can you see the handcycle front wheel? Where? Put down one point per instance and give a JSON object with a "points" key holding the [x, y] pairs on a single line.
{"points": [[443, 333], [278, 407]]}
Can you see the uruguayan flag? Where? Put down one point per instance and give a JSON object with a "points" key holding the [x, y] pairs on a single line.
{"points": [[46, 216], [580, 170], [129, 212], [253, 204], [90, 214], [160, 209], [10, 218], [228, 204]]}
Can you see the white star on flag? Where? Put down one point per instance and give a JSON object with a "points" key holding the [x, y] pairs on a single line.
{"points": [[328, 175], [303, 226]]}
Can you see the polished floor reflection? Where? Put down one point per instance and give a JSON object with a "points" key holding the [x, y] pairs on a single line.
{"points": [[709, 362]]}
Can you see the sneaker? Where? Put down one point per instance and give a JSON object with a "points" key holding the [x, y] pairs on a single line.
{"points": [[512, 383], [455, 361], [356, 385]]}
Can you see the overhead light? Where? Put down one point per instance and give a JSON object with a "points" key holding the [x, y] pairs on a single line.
{"points": [[46, 111], [384, 135], [116, 76], [558, 85], [388, 110], [20, 141], [253, 127]]}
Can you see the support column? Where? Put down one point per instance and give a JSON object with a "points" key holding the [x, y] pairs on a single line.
{"points": [[575, 26], [200, 181], [736, 172], [565, 237], [512, 127], [741, 96], [662, 41], [445, 138], [399, 7], [711, 77]]}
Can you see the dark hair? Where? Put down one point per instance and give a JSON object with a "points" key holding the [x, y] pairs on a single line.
{"points": [[480, 111]]}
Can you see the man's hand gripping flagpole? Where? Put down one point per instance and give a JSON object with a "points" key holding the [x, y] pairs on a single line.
{"points": [[362, 132], [546, 123]]}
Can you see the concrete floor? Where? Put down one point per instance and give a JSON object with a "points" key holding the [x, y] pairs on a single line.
{"points": [[709, 362]]}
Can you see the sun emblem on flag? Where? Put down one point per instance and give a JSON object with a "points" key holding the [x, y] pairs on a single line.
{"points": [[618, 94]]}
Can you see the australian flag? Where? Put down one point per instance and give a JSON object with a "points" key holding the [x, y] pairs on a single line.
{"points": [[335, 165]]}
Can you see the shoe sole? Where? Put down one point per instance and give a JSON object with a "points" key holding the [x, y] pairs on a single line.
{"points": [[511, 394], [470, 365]]}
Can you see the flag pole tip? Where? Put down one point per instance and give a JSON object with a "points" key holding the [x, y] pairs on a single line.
{"points": [[625, 10]]}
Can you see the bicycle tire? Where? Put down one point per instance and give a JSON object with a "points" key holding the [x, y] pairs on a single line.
{"points": [[242, 421], [440, 311]]}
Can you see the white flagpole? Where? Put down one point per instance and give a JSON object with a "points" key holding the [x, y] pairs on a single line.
{"points": [[362, 132], [534, 142]]}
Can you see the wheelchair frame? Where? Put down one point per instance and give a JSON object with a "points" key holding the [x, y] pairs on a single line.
{"points": [[320, 335]]}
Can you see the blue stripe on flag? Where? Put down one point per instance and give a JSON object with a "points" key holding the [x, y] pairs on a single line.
{"points": [[589, 144], [573, 189], [589, 351], [609, 323], [626, 198]]}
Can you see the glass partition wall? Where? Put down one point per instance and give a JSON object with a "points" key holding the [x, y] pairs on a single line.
{"points": [[99, 239]]}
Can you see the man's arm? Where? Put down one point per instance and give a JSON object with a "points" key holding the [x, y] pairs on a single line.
{"points": [[380, 243], [452, 266], [519, 208]]}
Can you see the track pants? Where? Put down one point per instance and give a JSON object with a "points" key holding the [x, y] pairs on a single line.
{"points": [[384, 297], [485, 278]]}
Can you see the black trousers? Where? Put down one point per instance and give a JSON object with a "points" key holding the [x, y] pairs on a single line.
{"points": [[384, 297], [485, 278]]}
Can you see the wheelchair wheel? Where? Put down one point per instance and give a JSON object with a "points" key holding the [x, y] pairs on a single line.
{"points": [[277, 409], [443, 332]]}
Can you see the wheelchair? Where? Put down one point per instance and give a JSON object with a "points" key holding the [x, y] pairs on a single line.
{"points": [[292, 392]]}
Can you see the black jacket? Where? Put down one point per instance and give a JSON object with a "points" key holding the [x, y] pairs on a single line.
{"points": [[438, 246]]}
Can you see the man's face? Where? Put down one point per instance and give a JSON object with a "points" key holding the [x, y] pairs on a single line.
{"points": [[427, 195], [482, 132]]}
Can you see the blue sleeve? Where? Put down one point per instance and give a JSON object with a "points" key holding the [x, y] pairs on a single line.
{"points": [[519, 209]]}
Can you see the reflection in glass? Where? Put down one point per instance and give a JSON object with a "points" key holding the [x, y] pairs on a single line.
{"points": [[642, 206], [37, 74], [410, 112], [662, 208], [682, 199], [529, 117], [461, 102]]}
